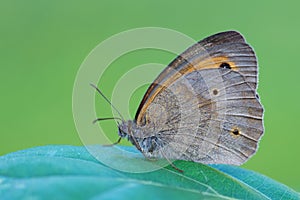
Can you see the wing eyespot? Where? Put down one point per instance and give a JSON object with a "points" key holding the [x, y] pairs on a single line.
{"points": [[235, 132], [215, 92], [225, 65]]}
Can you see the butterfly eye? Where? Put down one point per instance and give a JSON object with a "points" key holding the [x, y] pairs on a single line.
{"points": [[225, 65], [122, 133]]}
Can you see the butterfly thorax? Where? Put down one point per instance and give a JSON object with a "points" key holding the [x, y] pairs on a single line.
{"points": [[143, 138]]}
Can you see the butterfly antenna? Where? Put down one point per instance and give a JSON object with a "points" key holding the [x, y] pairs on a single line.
{"points": [[106, 118], [106, 99]]}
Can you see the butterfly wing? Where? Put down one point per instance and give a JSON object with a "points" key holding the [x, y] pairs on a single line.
{"points": [[207, 116], [212, 52], [204, 112]]}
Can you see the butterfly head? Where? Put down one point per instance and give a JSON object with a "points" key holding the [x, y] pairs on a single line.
{"points": [[123, 129], [129, 129], [136, 135]]}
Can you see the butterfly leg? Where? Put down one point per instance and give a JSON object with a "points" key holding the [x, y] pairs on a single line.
{"points": [[179, 170], [117, 142], [162, 153]]}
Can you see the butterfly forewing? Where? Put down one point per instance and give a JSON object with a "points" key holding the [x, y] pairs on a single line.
{"points": [[213, 52]]}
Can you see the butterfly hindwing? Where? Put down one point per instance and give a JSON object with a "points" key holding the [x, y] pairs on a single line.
{"points": [[208, 116]]}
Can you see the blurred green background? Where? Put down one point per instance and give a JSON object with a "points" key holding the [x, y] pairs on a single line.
{"points": [[43, 44]]}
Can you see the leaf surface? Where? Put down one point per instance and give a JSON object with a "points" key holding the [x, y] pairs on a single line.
{"points": [[71, 172]]}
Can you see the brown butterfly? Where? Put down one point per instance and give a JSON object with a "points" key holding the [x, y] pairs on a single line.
{"points": [[203, 107]]}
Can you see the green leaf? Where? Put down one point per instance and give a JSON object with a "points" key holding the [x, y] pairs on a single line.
{"points": [[69, 172]]}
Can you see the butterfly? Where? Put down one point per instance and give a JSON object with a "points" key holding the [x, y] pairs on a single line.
{"points": [[203, 106]]}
